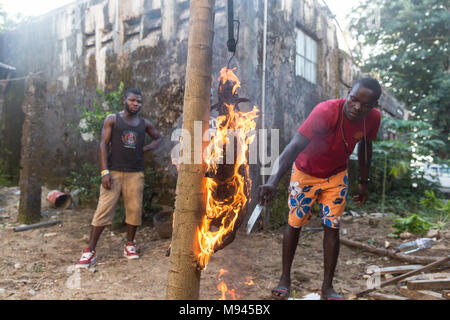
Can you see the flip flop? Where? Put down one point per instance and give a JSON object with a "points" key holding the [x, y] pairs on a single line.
{"points": [[333, 296], [281, 292]]}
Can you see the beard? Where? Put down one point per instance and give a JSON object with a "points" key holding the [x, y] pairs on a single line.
{"points": [[131, 111]]}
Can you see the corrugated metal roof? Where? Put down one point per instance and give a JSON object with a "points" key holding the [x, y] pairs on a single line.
{"points": [[5, 66]]}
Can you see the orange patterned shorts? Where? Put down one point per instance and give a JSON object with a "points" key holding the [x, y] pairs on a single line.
{"points": [[305, 190]]}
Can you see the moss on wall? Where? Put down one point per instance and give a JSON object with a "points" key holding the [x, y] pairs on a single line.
{"points": [[118, 69], [91, 76], [11, 130]]}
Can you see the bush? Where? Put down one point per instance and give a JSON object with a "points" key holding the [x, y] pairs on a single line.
{"points": [[91, 121], [413, 224], [87, 182]]}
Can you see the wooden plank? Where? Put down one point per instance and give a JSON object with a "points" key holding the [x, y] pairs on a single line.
{"points": [[398, 269], [429, 284], [382, 296], [430, 266], [429, 276], [420, 294], [446, 294]]}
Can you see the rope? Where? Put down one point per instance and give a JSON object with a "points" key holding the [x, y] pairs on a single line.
{"points": [[235, 44]]}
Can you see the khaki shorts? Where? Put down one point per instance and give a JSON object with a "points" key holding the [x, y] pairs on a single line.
{"points": [[305, 190], [131, 186]]}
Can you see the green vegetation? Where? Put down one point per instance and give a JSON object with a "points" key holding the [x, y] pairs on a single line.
{"points": [[8, 22], [406, 43], [87, 182], [92, 119], [395, 168], [412, 223], [5, 176]]}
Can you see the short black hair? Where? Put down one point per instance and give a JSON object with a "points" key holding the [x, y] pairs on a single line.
{"points": [[132, 90], [370, 83]]}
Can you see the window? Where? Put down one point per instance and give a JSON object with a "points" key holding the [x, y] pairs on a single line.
{"points": [[306, 57]]}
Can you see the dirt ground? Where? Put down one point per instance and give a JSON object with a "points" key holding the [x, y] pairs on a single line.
{"points": [[38, 264]]}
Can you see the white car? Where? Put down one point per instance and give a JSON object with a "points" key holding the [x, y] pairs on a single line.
{"points": [[439, 174]]}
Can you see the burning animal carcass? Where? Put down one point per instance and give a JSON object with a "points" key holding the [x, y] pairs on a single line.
{"points": [[227, 176], [228, 181]]}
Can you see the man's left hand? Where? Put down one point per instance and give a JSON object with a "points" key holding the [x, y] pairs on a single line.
{"points": [[362, 196]]}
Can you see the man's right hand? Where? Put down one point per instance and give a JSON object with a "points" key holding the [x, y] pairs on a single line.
{"points": [[107, 182], [266, 193]]}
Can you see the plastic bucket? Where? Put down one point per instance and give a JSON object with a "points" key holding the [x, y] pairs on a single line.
{"points": [[59, 199]]}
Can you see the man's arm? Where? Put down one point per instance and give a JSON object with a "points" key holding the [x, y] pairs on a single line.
{"points": [[152, 132], [283, 164], [364, 160], [104, 142]]}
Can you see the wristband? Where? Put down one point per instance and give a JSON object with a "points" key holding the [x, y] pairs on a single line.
{"points": [[104, 173], [364, 181]]}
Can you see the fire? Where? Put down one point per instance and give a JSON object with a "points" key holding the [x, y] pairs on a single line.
{"points": [[228, 75], [249, 281], [227, 182], [221, 273], [224, 289]]}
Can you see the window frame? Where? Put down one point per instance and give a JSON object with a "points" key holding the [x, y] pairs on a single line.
{"points": [[309, 52]]}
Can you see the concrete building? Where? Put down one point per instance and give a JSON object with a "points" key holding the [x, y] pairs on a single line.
{"points": [[93, 44]]}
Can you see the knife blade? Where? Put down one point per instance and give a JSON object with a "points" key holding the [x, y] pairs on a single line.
{"points": [[255, 214]]}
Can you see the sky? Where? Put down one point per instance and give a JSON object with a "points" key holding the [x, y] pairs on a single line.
{"points": [[32, 7], [38, 7], [341, 8]]}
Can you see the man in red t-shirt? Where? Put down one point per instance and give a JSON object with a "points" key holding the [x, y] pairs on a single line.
{"points": [[320, 150]]}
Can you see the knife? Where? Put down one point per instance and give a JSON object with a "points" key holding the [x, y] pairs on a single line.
{"points": [[255, 214]]}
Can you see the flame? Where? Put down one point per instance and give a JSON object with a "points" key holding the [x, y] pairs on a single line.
{"points": [[223, 288], [234, 295], [222, 272], [228, 75], [249, 281], [238, 125]]}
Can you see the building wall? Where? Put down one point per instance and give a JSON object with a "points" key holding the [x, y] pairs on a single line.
{"points": [[98, 43]]}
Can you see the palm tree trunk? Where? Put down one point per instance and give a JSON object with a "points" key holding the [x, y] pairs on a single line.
{"points": [[184, 274]]}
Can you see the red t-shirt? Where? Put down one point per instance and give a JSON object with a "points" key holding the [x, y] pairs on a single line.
{"points": [[326, 153]]}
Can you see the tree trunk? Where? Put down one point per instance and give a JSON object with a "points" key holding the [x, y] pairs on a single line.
{"points": [[30, 181], [184, 274]]}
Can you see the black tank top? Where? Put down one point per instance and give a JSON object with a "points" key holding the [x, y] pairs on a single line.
{"points": [[127, 142]]}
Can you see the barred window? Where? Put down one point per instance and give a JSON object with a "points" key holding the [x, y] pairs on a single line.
{"points": [[306, 57]]}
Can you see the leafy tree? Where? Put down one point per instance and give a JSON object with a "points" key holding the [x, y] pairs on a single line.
{"points": [[6, 21], [406, 42], [396, 170], [402, 156]]}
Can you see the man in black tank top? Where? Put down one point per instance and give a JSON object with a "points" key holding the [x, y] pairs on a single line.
{"points": [[122, 161]]}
